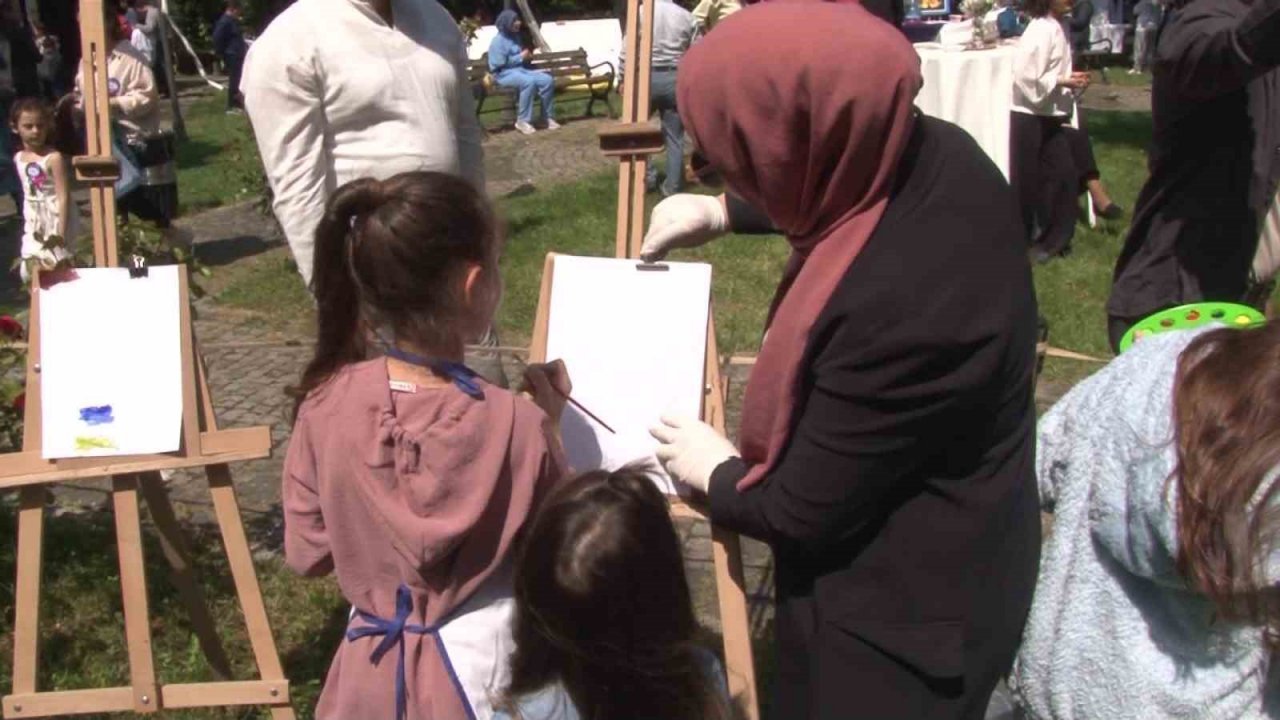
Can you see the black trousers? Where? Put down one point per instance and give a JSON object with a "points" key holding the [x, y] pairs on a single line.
{"points": [[1045, 180], [1082, 155], [235, 65]]}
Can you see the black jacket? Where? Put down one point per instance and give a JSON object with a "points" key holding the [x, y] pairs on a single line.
{"points": [[1214, 158], [903, 515], [228, 39]]}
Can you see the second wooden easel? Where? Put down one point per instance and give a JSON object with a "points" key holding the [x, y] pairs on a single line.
{"points": [[202, 444], [632, 140]]}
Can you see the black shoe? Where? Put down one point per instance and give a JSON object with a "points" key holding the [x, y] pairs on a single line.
{"points": [[1110, 212], [1040, 256]]}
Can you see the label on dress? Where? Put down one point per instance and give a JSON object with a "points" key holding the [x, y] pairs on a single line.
{"points": [[404, 387]]}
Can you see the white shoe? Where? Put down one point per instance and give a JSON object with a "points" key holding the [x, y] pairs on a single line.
{"points": [[552, 124], [525, 127], [1134, 72]]}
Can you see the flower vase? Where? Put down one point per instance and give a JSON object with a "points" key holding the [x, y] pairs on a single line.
{"points": [[979, 39]]}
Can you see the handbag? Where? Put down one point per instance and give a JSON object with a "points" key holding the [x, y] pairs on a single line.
{"points": [[130, 174]]}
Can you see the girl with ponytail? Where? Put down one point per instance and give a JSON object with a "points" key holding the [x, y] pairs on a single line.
{"points": [[408, 475]]}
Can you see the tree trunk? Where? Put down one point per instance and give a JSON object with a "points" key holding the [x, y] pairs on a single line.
{"points": [[532, 23]]}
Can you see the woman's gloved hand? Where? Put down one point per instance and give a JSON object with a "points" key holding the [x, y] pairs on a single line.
{"points": [[684, 221], [691, 450]]}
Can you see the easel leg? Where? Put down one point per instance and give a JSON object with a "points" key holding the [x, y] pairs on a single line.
{"points": [[176, 553], [735, 624], [246, 580], [133, 586], [227, 510], [26, 612]]}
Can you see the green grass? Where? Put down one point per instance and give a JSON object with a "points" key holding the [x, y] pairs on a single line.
{"points": [[82, 631], [1072, 292], [269, 284], [579, 218], [218, 163], [576, 218]]}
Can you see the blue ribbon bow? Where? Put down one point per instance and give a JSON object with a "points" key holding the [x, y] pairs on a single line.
{"points": [[462, 376], [392, 632]]}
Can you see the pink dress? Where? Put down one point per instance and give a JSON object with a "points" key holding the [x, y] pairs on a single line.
{"points": [[426, 489]]}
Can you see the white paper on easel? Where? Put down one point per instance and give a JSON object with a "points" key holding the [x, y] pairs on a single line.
{"points": [[111, 364], [634, 342]]}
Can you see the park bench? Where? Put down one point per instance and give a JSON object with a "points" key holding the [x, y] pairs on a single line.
{"points": [[569, 69]]}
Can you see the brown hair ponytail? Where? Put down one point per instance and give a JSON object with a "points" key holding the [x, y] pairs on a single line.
{"points": [[1227, 420], [387, 257]]}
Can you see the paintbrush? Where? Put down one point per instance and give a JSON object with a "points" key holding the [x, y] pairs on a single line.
{"points": [[571, 401]]}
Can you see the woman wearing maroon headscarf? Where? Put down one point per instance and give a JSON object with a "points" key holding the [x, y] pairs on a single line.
{"points": [[887, 432]]}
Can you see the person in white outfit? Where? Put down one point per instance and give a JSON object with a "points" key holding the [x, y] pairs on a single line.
{"points": [[342, 89], [48, 212], [1146, 15]]}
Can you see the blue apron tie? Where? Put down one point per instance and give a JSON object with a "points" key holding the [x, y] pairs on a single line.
{"points": [[462, 376], [392, 632]]}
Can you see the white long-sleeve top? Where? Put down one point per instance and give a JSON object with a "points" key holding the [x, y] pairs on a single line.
{"points": [[335, 94], [132, 89], [1043, 58]]}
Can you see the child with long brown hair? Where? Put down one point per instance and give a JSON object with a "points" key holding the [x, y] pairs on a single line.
{"points": [[1158, 586], [409, 476], [51, 221], [604, 625]]}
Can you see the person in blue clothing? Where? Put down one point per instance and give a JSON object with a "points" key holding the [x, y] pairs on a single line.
{"points": [[228, 42], [1010, 22], [604, 626], [508, 61]]}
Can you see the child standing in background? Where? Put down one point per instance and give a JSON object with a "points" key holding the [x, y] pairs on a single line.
{"points": [[409, 476], [48, 212], [604, 625]]}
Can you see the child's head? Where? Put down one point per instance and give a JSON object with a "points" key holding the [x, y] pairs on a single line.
{"points": [[32, 120], [1227, 424], [602, 604], [413, 257], [233, 8]]}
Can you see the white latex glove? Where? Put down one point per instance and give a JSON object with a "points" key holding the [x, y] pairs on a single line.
{"points": [[683, 221], [691, 450]]}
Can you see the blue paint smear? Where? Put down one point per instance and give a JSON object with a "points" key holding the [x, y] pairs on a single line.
{"points": [[99, 415]]}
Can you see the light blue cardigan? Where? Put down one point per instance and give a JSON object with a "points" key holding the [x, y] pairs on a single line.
{"points": [[1114, 632]]}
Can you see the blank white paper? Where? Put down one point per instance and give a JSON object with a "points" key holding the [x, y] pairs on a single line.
{"points": [[634, 342], [111, 364]]}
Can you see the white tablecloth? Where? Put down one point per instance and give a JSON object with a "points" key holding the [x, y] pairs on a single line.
{"points": [[1100, 34], [973, 89]]}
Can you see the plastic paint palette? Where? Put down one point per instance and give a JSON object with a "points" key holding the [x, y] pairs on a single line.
{"points": [[1185, 317]]}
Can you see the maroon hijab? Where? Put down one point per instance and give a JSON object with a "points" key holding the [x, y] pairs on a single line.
{"points": [[805, 109]]}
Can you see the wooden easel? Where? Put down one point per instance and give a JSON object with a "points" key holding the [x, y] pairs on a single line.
{"points": [[203, 444], [632, 140]]}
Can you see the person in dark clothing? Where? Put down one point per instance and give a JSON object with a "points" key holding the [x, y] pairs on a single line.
{"points": [[887, 436], [1214, 160], [228, 42], [1078, 23]]}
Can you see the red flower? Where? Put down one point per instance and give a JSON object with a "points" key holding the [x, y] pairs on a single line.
{"points": [[20, 402], [10, 328]]}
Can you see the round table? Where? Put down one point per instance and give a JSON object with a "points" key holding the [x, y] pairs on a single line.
{"points": [[973, 89]]}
